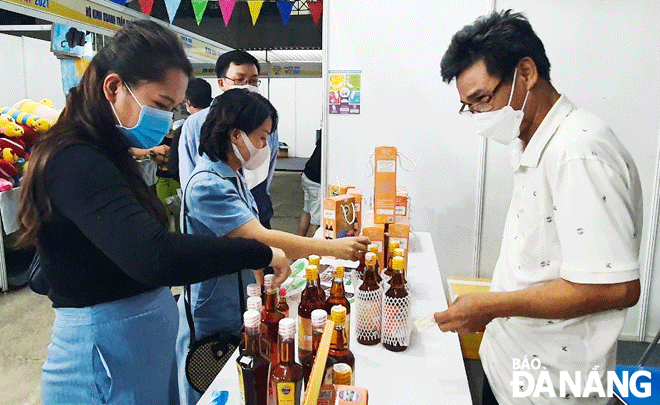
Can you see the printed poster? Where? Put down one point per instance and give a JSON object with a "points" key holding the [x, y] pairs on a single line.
{"points": [[345, 91]]}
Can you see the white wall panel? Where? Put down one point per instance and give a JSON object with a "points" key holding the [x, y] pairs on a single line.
{"points": [[43, 72], [12, 71], [404, 103]]}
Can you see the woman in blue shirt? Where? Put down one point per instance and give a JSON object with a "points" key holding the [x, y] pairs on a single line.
{"points": [[218, 202]]}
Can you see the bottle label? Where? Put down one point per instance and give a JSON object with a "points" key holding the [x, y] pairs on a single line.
{"points": [[396, 321], [241, 386], [304, 334], [286, 393]]}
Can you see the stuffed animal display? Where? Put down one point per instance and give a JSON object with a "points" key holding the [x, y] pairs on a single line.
{"points": [[20, 127]]}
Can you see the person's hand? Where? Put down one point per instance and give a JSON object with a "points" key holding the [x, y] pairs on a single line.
{"points": [[259, 276], [469, 313], [162, 150], [280, 265], [349, 248]]}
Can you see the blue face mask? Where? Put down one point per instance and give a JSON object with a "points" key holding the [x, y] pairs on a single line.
{"points": [[152, 126]]}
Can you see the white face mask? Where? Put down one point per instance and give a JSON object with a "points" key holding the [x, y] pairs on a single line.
{"points": [[501, 125], [249, 87], [257, 156]]}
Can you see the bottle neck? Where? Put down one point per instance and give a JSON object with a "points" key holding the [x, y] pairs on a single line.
{"points": [[370, 274], [252, 340], [270, 300], [338, 341], [317, 335], [337, 289], [397, 279], [286, 346]]}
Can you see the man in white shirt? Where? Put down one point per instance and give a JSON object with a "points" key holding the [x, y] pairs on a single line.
{"points": [[569, 258]]}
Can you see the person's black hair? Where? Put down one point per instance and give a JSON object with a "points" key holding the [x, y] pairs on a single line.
{"points": [[238, 57], [501, 40], [234, 109], [140, 52], [198, 93]]}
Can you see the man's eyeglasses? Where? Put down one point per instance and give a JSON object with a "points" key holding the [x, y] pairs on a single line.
{"points": [[241, 82], [482, 106]]}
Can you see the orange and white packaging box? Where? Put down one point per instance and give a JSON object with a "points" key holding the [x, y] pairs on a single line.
{"points": [[376, 234], [385, 185], [401, 205], [357, 193], [349, 395], [400, 232], [337, 189], [338, 216]]}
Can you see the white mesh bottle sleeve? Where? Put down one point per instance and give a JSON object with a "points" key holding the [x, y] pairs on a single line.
{"points": [[369, 314], [396, 321]]}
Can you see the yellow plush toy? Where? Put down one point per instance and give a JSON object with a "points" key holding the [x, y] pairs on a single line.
{"points": [[9, 155], [9, 127], [35, 122], [44, 109]]}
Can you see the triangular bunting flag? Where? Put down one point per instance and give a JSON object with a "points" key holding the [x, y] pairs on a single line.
{"points": [[227, 8], [255, 9], [199, 6], [285, 10], [316, 9], [146, 6], [172, 6]]}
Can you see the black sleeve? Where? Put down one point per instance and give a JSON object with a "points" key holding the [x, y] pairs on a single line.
{"points": [[173, 163], [90, 191]]}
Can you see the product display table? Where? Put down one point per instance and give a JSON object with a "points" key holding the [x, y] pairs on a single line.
{"points": [[430, 371]]}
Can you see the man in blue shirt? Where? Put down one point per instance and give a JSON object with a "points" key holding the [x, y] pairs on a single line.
{"points": [[234, 69]]}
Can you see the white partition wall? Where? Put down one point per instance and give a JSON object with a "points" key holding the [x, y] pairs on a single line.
{"points": [[605, 56]]}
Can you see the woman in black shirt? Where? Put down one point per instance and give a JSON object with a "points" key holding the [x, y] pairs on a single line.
{"points": [[105, 252]]}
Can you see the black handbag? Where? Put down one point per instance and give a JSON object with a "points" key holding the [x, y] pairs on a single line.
{"points": [[208, 356]]}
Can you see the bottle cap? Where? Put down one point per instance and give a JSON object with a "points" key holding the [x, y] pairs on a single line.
{"points": [[282, 292], [341, 374], [254, 303], [398, 252], [373, 248], [370, 259], [397, 263], [394, 244], [319, 317], [252, 318], [253, 290], [311, 272], [314, 259], [339, 272], [268, 281], [287, 328], [339, 314]]}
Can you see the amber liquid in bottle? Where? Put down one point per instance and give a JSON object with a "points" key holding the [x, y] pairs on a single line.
{"points": [[315, 260], [360, 268], [319, 318], [390, 253], [309, 301], [253, 367], [373, 248], [396, 311], [271, 320], [369, 301], [397, 252], [286, 378], [339, 351], [338, 297], [282, 306]]}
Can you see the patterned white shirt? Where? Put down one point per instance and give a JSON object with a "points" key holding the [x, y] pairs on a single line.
{"points": [[576, 214]]}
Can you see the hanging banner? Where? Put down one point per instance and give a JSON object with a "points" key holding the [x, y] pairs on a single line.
{"points": [[199, 6], [146, 6], [105, 17], [120, 2], [226, 8], [292, 69], [255, 10], [285, 10], [172, 7], [345, 89], [316, 9]]}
